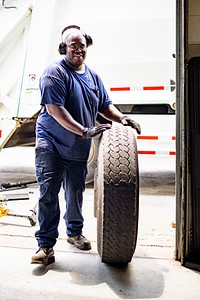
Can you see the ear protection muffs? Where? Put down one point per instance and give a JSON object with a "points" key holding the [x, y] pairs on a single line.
{"points": [[62, 46]]}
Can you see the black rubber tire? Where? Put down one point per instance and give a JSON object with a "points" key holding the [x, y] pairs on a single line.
{"points": [[117, 195]]}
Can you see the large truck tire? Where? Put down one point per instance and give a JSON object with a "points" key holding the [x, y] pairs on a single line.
{"points": [[116, 192]]}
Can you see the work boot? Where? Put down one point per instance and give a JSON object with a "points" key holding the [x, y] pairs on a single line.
{"points": [[43, 256], [80, 242]]}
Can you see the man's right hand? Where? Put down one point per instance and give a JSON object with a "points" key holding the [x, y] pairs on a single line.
{"points": [[89, 133]]}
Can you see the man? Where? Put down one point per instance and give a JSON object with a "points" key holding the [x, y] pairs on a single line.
{"points": [[71, 96]]}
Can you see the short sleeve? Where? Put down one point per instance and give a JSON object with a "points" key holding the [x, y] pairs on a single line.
{"points": [[52, 86]]}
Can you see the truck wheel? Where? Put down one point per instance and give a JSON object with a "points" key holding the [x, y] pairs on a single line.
{"points": [[117, 195]]}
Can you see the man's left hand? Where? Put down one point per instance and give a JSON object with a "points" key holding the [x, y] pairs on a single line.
{"points": [[126, 121]]}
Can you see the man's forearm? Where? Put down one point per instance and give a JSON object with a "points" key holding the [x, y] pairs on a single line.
{"points": [[112, 113], [63, 117]]}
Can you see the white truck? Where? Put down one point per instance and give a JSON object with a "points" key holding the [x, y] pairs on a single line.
{"points": [[133, 52]]}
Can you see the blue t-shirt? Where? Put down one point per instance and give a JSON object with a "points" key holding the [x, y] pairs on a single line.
{"points": [[83, 96]]}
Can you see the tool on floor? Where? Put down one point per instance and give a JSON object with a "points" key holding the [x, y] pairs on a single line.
{"points": [[15, 185], [31, 215]]}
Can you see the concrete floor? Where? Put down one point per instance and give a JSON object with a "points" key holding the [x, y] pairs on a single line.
{"points": [[152, 274]]}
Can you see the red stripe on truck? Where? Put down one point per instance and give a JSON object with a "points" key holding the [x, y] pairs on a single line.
{"points": [[156, 137], [149, 152], [116, 89], [153, 88], [144, 88], [172, 153], [146, 152], [147, 137]]}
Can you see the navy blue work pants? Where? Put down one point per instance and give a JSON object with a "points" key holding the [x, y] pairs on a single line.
{"points": [[51, 172]]}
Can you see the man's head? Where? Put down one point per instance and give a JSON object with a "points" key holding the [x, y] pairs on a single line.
{"points": [[74, 46], [66, 32]]}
